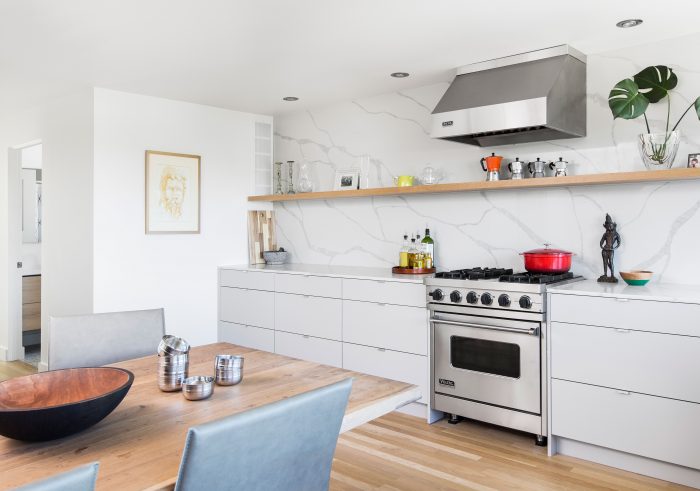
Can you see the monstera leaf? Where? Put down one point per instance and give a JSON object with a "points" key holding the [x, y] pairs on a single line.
{"points": [[655, 82], [697, 107], [626, 101]]}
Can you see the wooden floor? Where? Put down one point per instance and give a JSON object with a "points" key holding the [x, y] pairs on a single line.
{"points": [[11, 369], [399, 452]]}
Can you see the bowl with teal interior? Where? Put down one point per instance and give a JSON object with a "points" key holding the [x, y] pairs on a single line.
{"points": [[636, 278]]}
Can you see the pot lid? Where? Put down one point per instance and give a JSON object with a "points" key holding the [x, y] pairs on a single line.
{"points": [[547, 251]]}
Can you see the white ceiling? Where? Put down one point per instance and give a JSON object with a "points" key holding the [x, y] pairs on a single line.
{"points": [[248, 54]]}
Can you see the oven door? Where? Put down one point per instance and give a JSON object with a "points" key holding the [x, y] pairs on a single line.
{"points": [[487, 360]]}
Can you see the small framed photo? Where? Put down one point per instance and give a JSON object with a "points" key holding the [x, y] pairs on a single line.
{"points": [[346, 179], [694, 160]]}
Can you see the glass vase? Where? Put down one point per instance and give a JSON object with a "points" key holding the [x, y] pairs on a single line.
{"points": [[658, 150], [306, 177]]}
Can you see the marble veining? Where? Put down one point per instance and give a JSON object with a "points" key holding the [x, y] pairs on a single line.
{"points": [[659, 222]]}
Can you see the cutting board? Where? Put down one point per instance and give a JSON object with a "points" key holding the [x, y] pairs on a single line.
{"points": [[261, 235]]}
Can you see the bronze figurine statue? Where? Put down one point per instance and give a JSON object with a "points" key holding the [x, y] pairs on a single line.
{"points": [[608, 243]]}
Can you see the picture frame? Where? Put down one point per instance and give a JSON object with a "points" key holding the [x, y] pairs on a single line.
{"points": [[172, 188], [694, 160], [346, 180]]}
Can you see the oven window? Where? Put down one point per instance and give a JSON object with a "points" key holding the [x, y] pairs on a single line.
{"points": [[482, 355]]}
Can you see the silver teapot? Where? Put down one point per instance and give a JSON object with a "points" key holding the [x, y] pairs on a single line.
{"points": [[516, 169], [537, 167], [559, 167]]}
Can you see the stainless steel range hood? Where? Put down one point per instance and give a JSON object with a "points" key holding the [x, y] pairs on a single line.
{"points": [[535, 96]]}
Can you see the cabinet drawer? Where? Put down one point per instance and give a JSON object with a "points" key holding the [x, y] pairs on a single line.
{"points": [[654, 427], [249, 307], [642, 315], [313, 316], [31, 289], [240, 278], [31, 316], [388, 326], [411, 369], [248, 336], [412, 294], [657, 364], [318, 286], [309, 348]]}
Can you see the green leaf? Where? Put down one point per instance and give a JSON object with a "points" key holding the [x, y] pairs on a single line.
{"points": [[655, 82], [626, 101], [697, 106]]}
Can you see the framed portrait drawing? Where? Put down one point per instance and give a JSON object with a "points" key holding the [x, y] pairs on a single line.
{"points": [[694, 160], [346, 180], [172, 193]]}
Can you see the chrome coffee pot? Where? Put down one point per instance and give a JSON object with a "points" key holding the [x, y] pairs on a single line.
{"points": [[559, 167], [537, 167], [516, 169]]}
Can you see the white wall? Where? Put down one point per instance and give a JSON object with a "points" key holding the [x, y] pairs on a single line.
{"points": [[133, 270], [659, 222]]}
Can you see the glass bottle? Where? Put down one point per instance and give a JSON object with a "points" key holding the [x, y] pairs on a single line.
{"points": [[429, 249], [403, 255], [419, 258], [412, 253]]}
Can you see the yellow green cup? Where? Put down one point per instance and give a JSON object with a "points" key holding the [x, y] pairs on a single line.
{"points": [[402, 181]]}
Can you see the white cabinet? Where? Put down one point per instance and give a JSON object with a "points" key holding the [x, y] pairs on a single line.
{"points": [[650, 363], [318, 286], [386, 326], [253, 280], [313, 316], [309, 348], [654, 427], [248, 336], [249, 307], [404, 367], [411, 294]]}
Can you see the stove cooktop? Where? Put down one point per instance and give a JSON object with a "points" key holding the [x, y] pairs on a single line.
{"points": [[504, 275]]}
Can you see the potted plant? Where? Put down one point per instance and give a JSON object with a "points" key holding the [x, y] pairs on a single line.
{"points": [[630, 98]]}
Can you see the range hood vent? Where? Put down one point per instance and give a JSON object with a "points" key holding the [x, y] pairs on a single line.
{"points": [[535, 96]]}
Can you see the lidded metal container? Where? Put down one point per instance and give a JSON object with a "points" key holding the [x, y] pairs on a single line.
{"points": [[229, 369], [173, 363]]}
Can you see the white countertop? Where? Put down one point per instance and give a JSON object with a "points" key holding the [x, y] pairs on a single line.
{"points": [[662, 292], [355, 272]]}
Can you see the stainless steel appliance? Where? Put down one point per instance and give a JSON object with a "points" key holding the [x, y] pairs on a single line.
{"points": [[534, 96], [536, 168], [488, 346], [559, 167], [516, 169]]}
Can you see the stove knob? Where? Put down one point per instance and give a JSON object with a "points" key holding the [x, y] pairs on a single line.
{"points": [[486, 299], [437, 295], [525, 302], [504, 301], [455, 296], [472, 297]]}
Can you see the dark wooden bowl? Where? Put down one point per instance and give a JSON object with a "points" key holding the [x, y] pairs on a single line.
{"points": [[54, 404]]}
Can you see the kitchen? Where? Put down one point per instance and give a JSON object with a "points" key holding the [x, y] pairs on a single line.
{"points": [[585, 368]]}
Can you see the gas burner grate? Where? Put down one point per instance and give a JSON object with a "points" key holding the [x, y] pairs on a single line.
{"points": [[533, 278], [475, 273]]}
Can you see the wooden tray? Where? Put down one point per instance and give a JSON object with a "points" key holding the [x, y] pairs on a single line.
{"points": [[400, 270]]}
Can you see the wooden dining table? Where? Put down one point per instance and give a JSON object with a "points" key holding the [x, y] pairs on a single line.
{"points": [[139, 445]]}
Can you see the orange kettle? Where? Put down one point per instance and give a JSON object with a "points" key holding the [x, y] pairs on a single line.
{"points": [[492, 163]]}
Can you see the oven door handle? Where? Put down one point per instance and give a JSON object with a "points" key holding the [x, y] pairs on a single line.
{"points": [[532, 331]]}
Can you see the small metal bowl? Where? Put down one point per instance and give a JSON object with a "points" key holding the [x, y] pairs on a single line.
{"points": [[230, 376], [228, 361], [172, 345], [198, 387]]}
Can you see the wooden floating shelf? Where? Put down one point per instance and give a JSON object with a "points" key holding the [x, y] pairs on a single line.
{"points": [[454, 187]]}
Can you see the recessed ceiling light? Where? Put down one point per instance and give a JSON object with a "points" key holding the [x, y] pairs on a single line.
{"points": [[399, 74], [629, 23], [290, 98]]}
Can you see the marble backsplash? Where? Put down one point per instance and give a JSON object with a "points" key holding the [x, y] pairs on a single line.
{"points": [[659, 222]]}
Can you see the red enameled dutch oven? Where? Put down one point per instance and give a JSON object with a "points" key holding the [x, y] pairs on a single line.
{"points": [[547, 260]]}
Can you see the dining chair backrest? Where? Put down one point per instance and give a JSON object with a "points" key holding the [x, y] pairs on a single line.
{"points": [[284, 446], [79, 479], [100, 339]]}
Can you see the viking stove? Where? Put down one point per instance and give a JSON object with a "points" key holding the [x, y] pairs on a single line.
{"points": [[488, 346]]}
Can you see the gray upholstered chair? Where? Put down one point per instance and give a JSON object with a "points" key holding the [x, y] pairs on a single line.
{"points": [[79, 479], [283, 446], [100, 339]]}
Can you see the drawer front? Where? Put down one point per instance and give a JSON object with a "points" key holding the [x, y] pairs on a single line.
{"points": [[387, 326], [411, 369], [312, 316], [654, 427], [309, 348], [318, 286], [248, 336], [650, 363], [411, 294], [31, 316], [255, 280], [641, 315], [249, 307], [31, 289]]}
